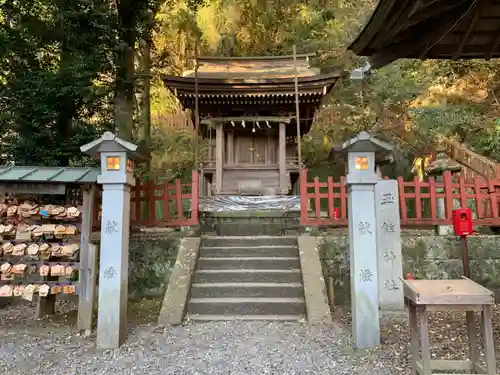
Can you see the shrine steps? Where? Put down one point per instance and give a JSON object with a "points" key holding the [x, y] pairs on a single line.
{"points": [[247, 278], [249, 242], [211, 318]]}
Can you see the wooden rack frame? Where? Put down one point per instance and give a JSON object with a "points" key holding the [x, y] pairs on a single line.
{"points": [[87, 262]]}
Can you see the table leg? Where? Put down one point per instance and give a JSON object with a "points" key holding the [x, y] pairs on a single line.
{"points": [[472, 336], [489, 346], [414, 336], [424, 340]]}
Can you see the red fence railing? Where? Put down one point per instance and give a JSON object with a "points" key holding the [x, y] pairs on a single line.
{"points": [[325, 203], [171, 204]]}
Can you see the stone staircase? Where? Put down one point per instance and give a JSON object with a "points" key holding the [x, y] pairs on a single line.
{"points": [[249, 278]]}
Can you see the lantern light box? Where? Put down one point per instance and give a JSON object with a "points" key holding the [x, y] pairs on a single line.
{"points": [[361, 163], [113, 163]]}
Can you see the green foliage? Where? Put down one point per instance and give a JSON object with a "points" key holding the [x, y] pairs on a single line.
{"points": [[53, 55], [64, 65], [174, 152]]}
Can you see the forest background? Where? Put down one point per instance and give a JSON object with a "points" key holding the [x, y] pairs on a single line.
{"points": [[73, 69]]}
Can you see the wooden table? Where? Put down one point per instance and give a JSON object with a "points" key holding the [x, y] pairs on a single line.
{"points": [[450, 295]]}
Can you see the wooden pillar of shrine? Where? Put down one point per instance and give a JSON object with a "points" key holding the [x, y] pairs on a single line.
{"points": [[282, 157], [219, 144], [230, 147]]}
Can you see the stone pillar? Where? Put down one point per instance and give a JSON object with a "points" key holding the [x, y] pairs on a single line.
{"points": [[113, 268], [437, 168], [201, 183], [117, 168], [363, 258], [219, 144], [389, 256], [361, 180], [282, 158], [441, 230]]}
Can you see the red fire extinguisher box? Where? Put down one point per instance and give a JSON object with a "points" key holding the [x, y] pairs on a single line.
{"points": [[462, 221]]}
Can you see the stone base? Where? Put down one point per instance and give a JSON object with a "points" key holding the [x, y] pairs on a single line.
{"points": [[393, 313], [250, 223], [177, 294], [318, 309], [444, 230], [238, 203]]}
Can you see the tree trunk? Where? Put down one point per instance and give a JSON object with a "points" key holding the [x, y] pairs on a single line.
{"points": [[125, 72], [144, 95], [67, 107], [144, 99]]}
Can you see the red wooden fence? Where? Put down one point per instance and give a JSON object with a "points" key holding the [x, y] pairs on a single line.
{"points": [[325, 203], [171, 204]]}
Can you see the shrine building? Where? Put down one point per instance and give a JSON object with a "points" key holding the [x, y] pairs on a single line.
{"points": [[245, 107]]}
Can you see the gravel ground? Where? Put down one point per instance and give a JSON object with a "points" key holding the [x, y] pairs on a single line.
{"points": [[447, 336], [54, 347]]}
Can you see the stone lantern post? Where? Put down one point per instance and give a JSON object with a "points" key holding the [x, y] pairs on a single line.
{"points": [[361, 180], [381, 161], [436, 169], [117, 168]]}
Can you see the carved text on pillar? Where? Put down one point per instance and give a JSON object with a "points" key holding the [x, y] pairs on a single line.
{"points": [[391, 285], [389, 256], [364, 227], [388, 227], [111, 227], [366, 275], [109, 273], [387, 198]]}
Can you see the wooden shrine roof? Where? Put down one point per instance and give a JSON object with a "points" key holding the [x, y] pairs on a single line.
{"points": [[252, 77], [434, 29], [261, 67], [253, 86]]}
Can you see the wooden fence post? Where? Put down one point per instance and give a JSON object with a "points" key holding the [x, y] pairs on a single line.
{"points": [[317, 206], [303, 196], [151, 201], [448, 194], [402, 200], [138, 205], [331, 209], [343, 199], [178, 195], [194, 197], [165, 201]]}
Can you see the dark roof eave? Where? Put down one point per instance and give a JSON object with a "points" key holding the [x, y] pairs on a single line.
{"points": [[229, 82], [318, 87], [358, 46], [423, 30]]}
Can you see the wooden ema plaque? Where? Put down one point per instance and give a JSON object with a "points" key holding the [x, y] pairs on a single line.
{"points": [[425, 296], [39, 250]]}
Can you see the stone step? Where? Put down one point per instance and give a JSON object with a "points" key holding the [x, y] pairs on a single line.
{"points": [[246, 306], [247, 276], [213, 290], [247, 251], [282, 318], [275, 263], [240, 241]]}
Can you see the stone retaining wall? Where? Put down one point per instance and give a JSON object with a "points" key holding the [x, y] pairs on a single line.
{"points": [[153, 254], [430, 257], [151, 260]]}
